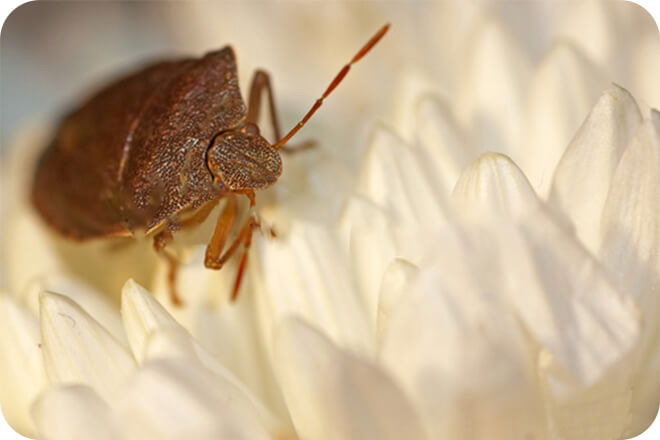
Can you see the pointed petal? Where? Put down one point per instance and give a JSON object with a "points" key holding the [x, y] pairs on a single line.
{"points": [[334, 394], [77, 349], [572, 308], [88, 298], [22, 375], [393, 176], [412, 85], [599, 17], [589, 332], [563, 90], [225, 337], [74, 412], [583, 176], [154, 334], [175, 399], [304, 274], [630, 226], [445, 149], [176, 344], [142, 315], [631, 251], [456, 345], [493, 91], [495, 184], [361, 213]]}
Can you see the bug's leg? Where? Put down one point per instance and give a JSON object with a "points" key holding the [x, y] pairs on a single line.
{"points": [[213, 258], [160, 241], [244, 238], [200, 216], [260, 82], [226, 220], [247, 240]]}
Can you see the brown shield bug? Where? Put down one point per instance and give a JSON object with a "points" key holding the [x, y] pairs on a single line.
{"points": [[172, 138]]}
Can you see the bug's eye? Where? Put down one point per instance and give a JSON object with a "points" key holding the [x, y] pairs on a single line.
{"points": [[250, 129]]}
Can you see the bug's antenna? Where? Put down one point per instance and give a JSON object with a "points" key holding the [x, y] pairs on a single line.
{"points": [[335, 82]]}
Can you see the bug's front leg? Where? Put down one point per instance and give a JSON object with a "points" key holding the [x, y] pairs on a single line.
{"points": [[223, 226], [260, 82], [215, 257], [160, 242]]}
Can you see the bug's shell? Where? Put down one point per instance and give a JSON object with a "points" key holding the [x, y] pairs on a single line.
{"points": [[134, 154]]}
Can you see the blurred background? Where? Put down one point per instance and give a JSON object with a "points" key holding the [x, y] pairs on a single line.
{"points": [[54, 53]]}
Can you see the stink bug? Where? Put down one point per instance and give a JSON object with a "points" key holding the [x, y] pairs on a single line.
{"points": [[171, 138]]}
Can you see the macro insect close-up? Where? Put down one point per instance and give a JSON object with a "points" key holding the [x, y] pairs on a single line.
{"points": [[173, 137], [330, 220]]}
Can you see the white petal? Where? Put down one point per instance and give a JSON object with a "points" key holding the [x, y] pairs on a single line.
{"points": [[393, 176], [563, 90], [630, 225], [571, 307], [177, 344], [371, 251], [77, 349], [395, 282], [333, 394], [361, 213], [600, 411], [495, 80], [495, 184], [142, 315], [583, 176], [22, 375], [445, 149], [413, 83], [455, 343], [645, 391], [305, 274], [228, 332], [176, 399], [91, 300], [154, 334], [599, 18], [74, 412], [631, 251], [588, 330]]}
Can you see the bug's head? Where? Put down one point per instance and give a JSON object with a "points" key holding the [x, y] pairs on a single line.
{"points": [[241, 159]]}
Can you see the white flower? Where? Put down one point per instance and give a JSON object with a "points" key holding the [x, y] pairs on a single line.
{"points": [[451, 292]]}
